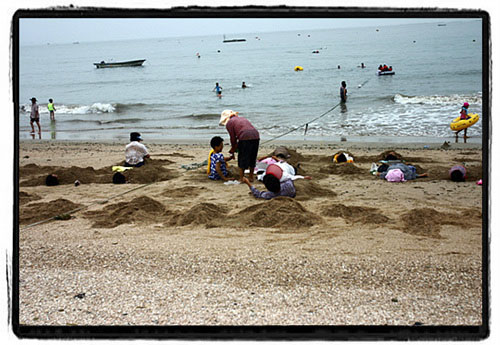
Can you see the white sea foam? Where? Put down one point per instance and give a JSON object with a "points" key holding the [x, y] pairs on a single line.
{"points": [[96, 108], [438, 100]]}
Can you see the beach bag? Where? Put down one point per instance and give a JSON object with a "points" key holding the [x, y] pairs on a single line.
{"points": [[395, 175]]}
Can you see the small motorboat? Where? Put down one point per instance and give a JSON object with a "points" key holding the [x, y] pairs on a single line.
{"points": [[232, 40], [132, 63]]}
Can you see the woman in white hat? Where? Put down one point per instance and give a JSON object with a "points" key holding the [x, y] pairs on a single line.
{"points": [[244, 138]]}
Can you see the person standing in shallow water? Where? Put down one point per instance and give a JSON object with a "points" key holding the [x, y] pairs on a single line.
{"points": [[35, 117], [343, 91], [52, 109], [218, 89]]}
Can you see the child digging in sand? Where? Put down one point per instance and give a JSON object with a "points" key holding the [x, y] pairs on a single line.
{"points": [[217, 168]]}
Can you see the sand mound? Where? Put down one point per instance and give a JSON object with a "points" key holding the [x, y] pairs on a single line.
{"points": [[280, 212], [25, 198], [141, 210], [34, 175], [202, 213], [36, 212], [474, 173], [355, 214], [307, 190], [383, 155], [343, 169], [152, 171], [427, 221]]}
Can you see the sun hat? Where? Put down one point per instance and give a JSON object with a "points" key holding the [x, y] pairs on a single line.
{"points": [[466, 104], [226, 115], [135, 136]]}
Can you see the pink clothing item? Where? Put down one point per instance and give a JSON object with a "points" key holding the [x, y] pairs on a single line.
{"points": [[240, 128], [395, 175], [274, 170], [268, 161]]}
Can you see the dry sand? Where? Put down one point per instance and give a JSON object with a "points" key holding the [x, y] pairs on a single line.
{"points": [[180, 249]]}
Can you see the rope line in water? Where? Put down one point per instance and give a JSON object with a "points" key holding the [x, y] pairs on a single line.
{"points": [[307, 123], [84, 207], [147, 184]]}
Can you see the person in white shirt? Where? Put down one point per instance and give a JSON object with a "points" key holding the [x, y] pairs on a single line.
{"points": [[35, 117], [135, 152]]}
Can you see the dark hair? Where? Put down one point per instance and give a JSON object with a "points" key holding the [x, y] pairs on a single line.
{"points": [[391, 157], [382, 168], [343, 84], [50, 100], [119, 178], [272, 183], [51, 180], [216, 141], [457, 176], [341, 158], [134, 136]]}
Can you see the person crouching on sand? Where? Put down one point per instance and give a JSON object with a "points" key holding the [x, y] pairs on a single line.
{"points": [[244, 138], [278, 180], [217, 168], [135, 151]]}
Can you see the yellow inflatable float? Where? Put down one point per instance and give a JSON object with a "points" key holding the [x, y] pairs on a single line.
{"points": [[298, 68], [458, 125]]}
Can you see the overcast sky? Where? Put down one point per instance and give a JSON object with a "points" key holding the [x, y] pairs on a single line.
{"points": [[46, 30]]}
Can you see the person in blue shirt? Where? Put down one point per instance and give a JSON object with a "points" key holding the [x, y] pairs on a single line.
{"points": [[217, 167], [218, 89]]}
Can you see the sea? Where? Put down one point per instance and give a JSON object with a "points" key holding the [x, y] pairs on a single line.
{"points": [[437, 68]]}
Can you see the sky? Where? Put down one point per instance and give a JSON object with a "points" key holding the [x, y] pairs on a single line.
{"points": [[34, 31]]}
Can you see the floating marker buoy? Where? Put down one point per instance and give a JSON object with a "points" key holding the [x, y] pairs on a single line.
{"points": [[298, 68]]}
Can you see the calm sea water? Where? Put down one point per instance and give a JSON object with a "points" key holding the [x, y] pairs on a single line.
{"points": [[170, 96]]}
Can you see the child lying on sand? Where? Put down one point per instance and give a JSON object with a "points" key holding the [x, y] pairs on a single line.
{"points": [[278, 180]]}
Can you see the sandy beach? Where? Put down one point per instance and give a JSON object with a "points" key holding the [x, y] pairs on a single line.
{"points": [[172, 247]]}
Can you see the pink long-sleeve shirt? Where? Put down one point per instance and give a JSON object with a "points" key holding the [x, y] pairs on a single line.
{"points": [[240, 128]]}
